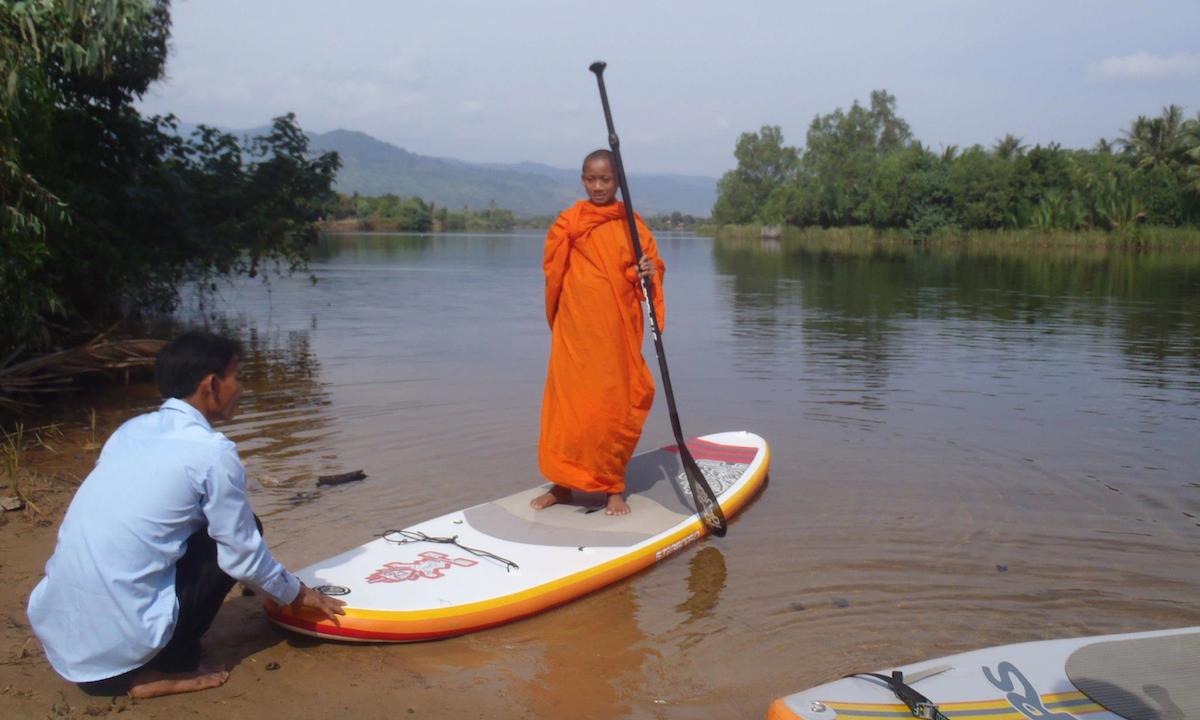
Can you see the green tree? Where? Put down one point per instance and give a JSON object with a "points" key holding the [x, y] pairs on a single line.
{"points": [[413, 214], [910, 189], [1192, 153], [1160, 141], [1009, 147], [981, 189], [862, 166], [764, 163], [107, 213], [843, 151], [42, 46], [1165, 151]]}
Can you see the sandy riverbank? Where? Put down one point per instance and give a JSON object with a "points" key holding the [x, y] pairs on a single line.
{"points": [[313, 678]]}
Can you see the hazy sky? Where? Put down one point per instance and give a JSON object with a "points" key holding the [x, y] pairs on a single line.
{"points": [[507, 80]]}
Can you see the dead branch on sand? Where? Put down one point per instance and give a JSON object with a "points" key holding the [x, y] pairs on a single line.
{"points": [[58, 372]]}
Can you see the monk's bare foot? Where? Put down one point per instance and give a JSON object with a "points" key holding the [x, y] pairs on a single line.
{"points": [[151, 683], [556, 494], [616, 505]]}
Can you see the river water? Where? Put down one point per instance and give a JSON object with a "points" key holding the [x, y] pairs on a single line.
{"points": [[968, 449]]}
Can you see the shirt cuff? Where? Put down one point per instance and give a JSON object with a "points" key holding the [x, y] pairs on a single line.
{"points": [[283, 588]]}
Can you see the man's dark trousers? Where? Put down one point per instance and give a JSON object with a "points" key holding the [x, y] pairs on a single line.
{"points": [[200, 587]]}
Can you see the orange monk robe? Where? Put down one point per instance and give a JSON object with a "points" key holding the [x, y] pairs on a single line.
{"points": [[598, 388]]}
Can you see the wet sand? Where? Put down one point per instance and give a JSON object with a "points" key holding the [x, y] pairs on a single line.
{"points": [[940, 482]]}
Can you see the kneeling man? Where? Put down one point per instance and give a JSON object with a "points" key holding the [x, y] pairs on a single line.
{"points": [[155, 538]]}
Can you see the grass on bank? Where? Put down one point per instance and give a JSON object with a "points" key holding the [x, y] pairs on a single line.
{"points": [[18, 477], [857, 238], [55, 448]]}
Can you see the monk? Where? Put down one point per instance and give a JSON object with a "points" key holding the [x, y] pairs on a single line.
{"points": [[598, 387]]}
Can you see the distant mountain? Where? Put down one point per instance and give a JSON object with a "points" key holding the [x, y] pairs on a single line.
{"points": [[374, 167]]}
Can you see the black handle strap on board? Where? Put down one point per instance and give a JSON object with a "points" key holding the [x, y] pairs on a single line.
{"points": [[920, 706], [706, 503]]}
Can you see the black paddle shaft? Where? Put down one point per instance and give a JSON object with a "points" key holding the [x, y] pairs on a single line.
{"points": [[706, 502]]}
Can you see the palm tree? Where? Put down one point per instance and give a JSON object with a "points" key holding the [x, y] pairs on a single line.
{"points": [[1009, 147], [1191, 141], [1151, 142]]}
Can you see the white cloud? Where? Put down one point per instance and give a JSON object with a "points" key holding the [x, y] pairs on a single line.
{"points": [[1146, 65]]}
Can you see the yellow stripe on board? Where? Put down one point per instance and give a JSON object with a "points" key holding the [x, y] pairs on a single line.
{"points": [[779, 710], [881, 707], [1005, 711], [1065, 696], [903, 712], [869, 707]]}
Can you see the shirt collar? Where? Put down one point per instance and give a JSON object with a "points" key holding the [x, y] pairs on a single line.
{"points": [[187, 409]]}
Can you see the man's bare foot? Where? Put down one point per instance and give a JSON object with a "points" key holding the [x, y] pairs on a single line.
{"points": [[151, 683], [556, 494], [616, 505]]}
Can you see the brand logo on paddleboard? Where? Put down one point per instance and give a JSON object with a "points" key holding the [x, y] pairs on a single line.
{"points": [[1024, 699], [430, 565], [719, 475], [677, 546]]}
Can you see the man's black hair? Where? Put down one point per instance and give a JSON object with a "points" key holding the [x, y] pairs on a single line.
{"points": [[187, 359], [602, 153]]}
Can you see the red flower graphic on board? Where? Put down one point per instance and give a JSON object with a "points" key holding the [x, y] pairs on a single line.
{"points": [[430, 565]]}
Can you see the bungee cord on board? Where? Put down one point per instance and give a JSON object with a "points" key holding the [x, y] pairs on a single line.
{"points": [[412, 536]]}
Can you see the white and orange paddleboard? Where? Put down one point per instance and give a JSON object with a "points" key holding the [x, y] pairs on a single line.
{"points": [[509, 561], [1135, 676]]}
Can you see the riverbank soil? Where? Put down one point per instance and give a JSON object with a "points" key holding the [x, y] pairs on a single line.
{"points": [[274, 673]]}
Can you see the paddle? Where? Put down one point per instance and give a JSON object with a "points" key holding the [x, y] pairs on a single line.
{"points": [[707, 506]]}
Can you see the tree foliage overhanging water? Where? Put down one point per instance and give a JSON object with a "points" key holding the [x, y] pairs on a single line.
{"points": [[106, 213], [863, 167]]}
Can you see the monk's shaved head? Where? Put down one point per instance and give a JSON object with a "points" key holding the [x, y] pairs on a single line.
{"points": [[599, 155], [600, 177]]}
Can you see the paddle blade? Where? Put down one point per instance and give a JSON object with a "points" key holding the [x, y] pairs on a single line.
{"points": [[707, 506]]}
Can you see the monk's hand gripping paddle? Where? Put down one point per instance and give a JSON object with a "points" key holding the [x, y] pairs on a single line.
{"points": [[706, 503]]}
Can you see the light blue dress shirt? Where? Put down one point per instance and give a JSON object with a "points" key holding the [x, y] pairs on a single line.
{"points": [[107, 604]]}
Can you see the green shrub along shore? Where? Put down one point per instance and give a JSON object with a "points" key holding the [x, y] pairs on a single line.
{"points": [[1138, 238], [391, 213], [864, 168]]}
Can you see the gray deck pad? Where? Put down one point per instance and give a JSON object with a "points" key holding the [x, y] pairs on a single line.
{"points": [[658, 498], [1155, 678]]}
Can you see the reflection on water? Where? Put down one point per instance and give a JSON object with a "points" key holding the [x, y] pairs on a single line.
{"points": [[968, 449], [706, 579], [285, 411], [592, 660], [859, 303], [1087, 345]]}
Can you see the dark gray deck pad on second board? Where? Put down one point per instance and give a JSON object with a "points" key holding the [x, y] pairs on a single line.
{"points": [[1154, 678], [658, 497]]}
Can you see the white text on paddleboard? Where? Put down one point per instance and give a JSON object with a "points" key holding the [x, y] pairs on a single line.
{"points": [[676, 546]]}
